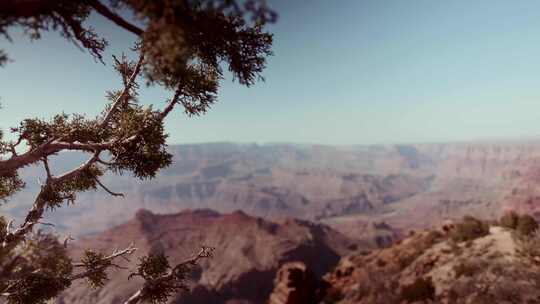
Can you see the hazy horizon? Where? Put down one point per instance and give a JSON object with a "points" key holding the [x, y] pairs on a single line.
{"points": [[484, 140], [357, 73]]}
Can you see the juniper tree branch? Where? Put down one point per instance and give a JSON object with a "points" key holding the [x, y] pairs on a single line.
{"points": [[124, 92], [106, 163], [172, 103], [47, 168], [73, 173], [116, 254], [53, 147], [35, 214], [205, 252], [26, 8], [107, 13], [31, 8], [18, 161]]}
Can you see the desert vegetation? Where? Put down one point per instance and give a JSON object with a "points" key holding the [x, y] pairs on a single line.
{"points": [[523, 224], [421, 289], [468, 229], [469, 261]]}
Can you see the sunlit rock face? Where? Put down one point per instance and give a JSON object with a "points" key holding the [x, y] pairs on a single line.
{"points": [[429, 267]]}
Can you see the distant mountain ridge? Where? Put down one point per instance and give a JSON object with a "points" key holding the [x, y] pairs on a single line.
{"points": [[402, 186]]}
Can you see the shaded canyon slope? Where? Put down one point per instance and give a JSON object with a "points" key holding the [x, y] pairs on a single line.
{"points": [[249, 252]]}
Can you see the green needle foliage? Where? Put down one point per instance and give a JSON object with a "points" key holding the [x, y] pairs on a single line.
{"points": [[152, 268], [185, 46], [96, 264], [37, 271]]}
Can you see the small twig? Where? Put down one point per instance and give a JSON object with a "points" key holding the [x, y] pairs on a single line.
{"points": [[47, 168], [68, 238], [101, 161], [124, 92], [9, 226], [13, 146], [46, 224], [107, 189], [119, 267]]}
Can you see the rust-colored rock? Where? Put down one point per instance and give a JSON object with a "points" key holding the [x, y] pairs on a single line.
{"points": [[295, 283]]}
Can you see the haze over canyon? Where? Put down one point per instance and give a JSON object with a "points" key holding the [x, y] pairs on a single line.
{"points": [[358, 190]]}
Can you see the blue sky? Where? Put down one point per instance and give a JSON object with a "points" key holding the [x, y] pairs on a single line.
{"points": [[344, 72]]}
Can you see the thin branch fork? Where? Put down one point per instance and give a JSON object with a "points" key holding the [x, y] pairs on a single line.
{"points": [[124, 92], [53, 146], [35, 214], [13, 146]]}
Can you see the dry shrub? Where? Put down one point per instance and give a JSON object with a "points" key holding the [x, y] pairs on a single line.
{"points": [[375, 287], [420, 290], [469, 267], [530, 245], [526, 225], [509, 220], [499, 281], [333, 295], [468, 229], [523, 224]]}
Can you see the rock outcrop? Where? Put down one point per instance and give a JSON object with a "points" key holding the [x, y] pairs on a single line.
{"points": [[295, 283], [432, 267]]}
